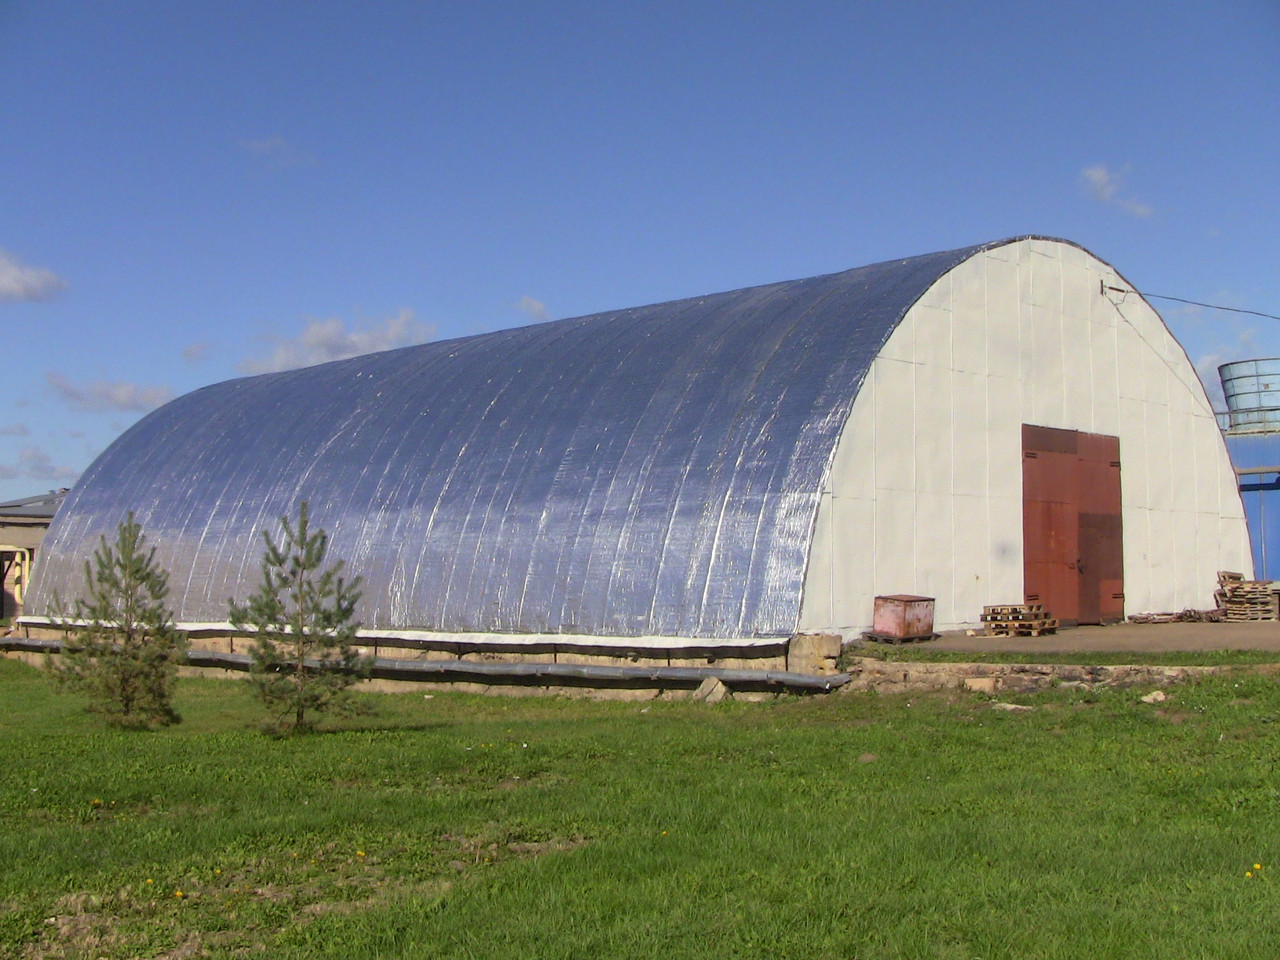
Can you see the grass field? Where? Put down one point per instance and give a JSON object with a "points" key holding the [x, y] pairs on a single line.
{"points": [[853, 826]]}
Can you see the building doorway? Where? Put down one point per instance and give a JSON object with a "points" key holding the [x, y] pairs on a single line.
{"points": [[1072, 534]]}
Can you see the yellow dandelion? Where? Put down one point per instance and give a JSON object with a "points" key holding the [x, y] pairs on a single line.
{"points": [[178, 893], [149, 880], [1257, 866], [217, 871]]}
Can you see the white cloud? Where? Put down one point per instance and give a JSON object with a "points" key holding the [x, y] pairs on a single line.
{"points": [[1102, 183], [14, 430], [34, 464], [278, 152], [534, 308], [1207, 369], [195, 353], [325, 340], [21, 282], [101, 395], [1108, 186], [1207, 364]]}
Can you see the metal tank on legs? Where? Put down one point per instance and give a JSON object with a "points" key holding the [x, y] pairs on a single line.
{"points": [[1251, 426]]}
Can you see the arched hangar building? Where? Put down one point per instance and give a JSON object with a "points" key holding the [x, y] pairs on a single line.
{"points": [[1004, 423]]}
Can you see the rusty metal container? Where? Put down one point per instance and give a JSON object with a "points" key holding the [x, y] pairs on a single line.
{"points": [[903, 617]]}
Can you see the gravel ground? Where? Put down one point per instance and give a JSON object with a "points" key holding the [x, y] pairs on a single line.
{"points": [[1137, 637]]}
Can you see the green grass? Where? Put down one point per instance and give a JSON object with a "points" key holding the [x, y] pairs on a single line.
{"points": [[1091, 826]]}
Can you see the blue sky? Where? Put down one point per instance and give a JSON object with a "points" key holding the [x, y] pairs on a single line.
{"points": [[194, 191]]}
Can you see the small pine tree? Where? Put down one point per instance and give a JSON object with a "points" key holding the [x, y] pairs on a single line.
{"points": [[123, 649], [302, 617]]}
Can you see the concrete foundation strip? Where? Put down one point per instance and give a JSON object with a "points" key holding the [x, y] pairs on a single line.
{"points": [[866, 673], [437, 671]]}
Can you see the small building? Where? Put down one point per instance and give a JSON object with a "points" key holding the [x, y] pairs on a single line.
{"points": [[1010, 422], [23, 524]]}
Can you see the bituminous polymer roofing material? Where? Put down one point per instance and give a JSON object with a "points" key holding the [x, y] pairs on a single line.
{"points": [[711, 474], [644, 472]]}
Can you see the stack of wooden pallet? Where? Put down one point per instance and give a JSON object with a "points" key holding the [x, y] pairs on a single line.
{"points": [[1018, 620], [1246, 599]]}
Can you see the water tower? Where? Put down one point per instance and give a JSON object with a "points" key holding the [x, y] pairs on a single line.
{"points": [[1252, 429]]}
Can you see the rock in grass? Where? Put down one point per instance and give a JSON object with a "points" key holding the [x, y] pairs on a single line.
{"points": [[711, 690]]}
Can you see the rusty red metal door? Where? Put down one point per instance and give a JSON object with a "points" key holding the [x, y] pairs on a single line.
{"points": [[1072, 535]]}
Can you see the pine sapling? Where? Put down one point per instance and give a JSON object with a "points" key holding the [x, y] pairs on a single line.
{"points": [[302, 618], [122, 647]]}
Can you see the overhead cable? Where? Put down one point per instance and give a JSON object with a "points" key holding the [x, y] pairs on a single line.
{"points": [[1211, 306]]}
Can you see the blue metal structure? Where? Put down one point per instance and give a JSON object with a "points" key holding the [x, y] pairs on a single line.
{"points": [[645, 472], [1260, 491], [1252, 392]]}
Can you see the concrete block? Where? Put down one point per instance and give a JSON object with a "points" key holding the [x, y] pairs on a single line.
{"points": [[711, 690], [813, 653], [693, 662], [982, 684]]}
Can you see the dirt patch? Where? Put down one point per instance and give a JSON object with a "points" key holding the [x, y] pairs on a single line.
{"points": [[188, 948], [80, 928], [476, 850], [541, 847], [247, 907], [1127, 637]]}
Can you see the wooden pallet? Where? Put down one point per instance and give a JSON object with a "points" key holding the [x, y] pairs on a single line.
{"points": [[1239, 611], [1022, 628], [1014, 611], [1018, 620], [872, 637], [1247, 600]]}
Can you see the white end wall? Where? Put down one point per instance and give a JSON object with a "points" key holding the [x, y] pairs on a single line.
{"points": [[925, 491]]}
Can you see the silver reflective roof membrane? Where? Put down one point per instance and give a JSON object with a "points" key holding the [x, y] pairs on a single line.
{"points": [[645, 472]]}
